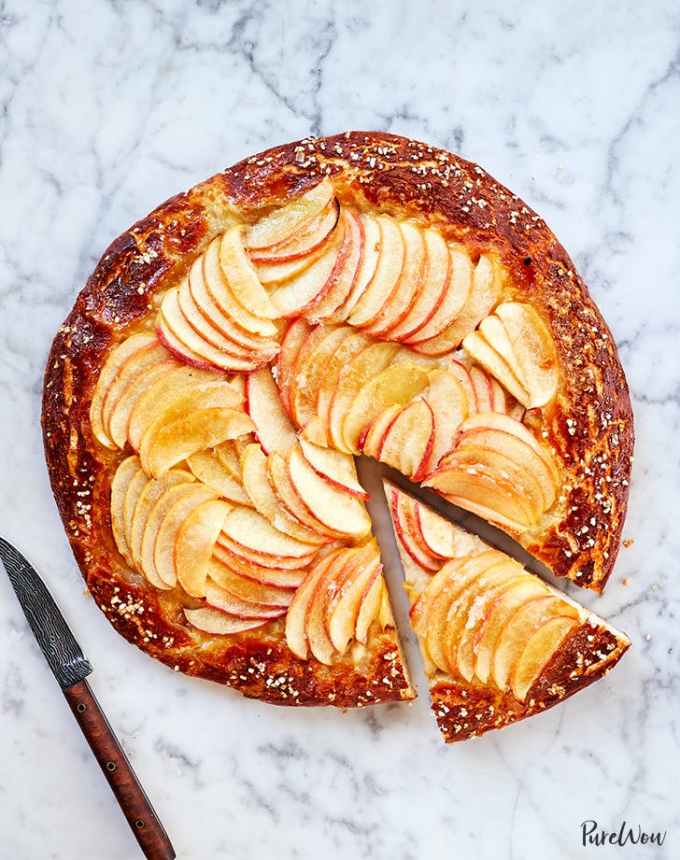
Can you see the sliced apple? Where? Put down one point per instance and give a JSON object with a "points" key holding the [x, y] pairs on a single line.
{"points": [[196, 539], [304, 242], [204, 428], [218, 623], [493, 331], [364, 366], [405, 292], [397, 384], [436, 533], [519, 628], [534, 349], [335, 467], [318, 639], [242, 277], [372, 437], [386, 276], [483, 296], [119, 418], [134, 490], [248, 589], [343, 619], [296, 636], [225, 601], [251, 530], [537, 653], [204, 329], [278, 577], [124, 475], [141, 362], [370, 253], [477, 346], [151, 493], [370, 608], [433, 290], [272, 427], [317, 430], [310, 372], [408, 443], [272, 275], [337, 509], [450, 407], [344, 276], [208, 469], [219, 288], [499, 401], [482, 388], [112, 366], [294, 296], [288, 496], [402, 509], [191, 497], [459, 289], [295, 335], [284, 222], [260, 491]]}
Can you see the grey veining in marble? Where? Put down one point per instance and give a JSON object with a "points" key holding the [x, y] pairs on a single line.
{"points": [[107, 108]]}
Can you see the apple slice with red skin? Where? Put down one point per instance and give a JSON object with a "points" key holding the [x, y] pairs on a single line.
{"points": [[293, 297], [295, 335], [286, 493], [219, 288], [459, 288], [482, 388], [504, 604], [304, 242], [386, 275], [218, 623], [194, 545], [534, 350], [369, 610], [257, 485], [191, 497], [370, 253], [521, 625], [405, 524], [310, 375], [363, 367], [450, 407], [487, 280], [335, 467], [138, 364], [350, 565], [112, 366], [204, 428], [477, 347], [346, 275], [336, 509], [499, 402], [119, 418], [296, 617], [219, 598], [397, 384], [276, 577], [436, 534], [371, 439], [273, 275], [272, 426], [263, 559], [433, 288], [286, 221], [248, 589], [405, 291], [315, 336], [208, 469], [251, 530], [343, 618], [317, 430], [408, 443], [318, 639], [124, 475], [151, 493], [537, 653]]}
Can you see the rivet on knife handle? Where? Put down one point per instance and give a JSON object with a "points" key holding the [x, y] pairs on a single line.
{"points": [[148, 830]]}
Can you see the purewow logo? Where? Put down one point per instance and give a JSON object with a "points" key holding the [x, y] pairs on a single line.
{"points": [[627, 834]]}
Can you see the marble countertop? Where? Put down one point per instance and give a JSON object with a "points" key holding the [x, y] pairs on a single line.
{"points": [[109, 108]]}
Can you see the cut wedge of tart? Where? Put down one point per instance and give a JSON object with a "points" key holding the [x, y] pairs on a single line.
{"points": [[499, 644]]}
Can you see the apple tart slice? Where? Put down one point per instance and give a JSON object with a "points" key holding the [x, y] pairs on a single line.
{"points": [[498, 643]]}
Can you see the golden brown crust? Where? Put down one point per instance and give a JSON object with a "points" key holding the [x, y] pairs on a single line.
{"points": [[590, 424], [465, 710]]}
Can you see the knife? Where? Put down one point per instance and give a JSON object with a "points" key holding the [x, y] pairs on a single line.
{"points": [[69, 666]]}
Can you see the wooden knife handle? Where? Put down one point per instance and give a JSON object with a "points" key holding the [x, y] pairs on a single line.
{"points": [[148, 830]]}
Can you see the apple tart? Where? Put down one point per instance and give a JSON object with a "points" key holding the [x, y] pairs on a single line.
{"points": [[498, 643], [236, 349]]}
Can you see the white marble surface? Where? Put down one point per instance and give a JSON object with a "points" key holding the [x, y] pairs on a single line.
{"points": [[109, 108]]}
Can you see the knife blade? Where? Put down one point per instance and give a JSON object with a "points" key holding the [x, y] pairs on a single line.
{"points": [[70, 667]]}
